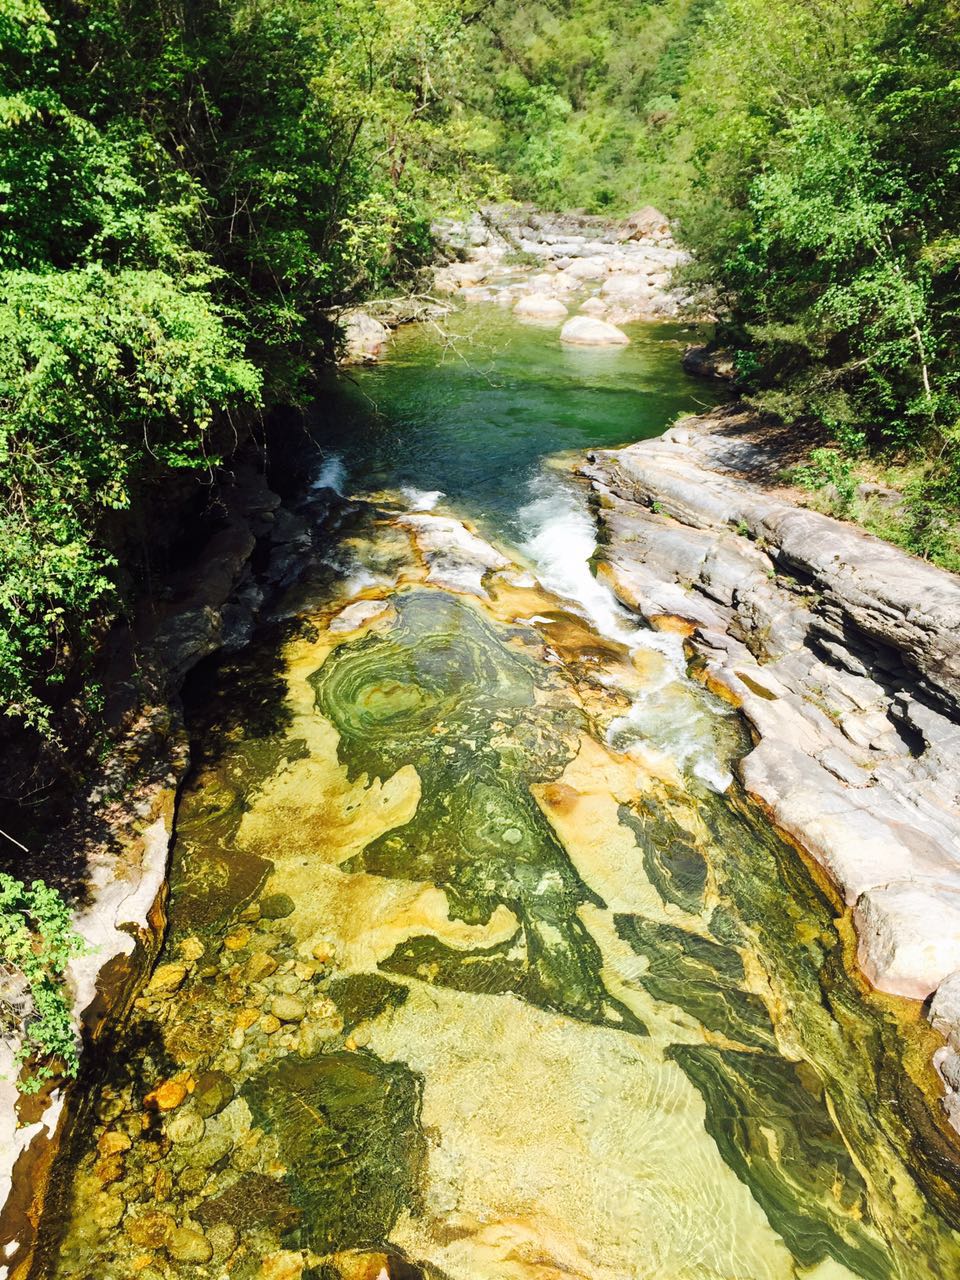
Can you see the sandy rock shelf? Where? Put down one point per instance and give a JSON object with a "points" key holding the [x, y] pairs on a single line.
{"points": [[843, 653]]}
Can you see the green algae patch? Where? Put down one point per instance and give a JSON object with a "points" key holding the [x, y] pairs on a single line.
{"points": [[773, 1130], [545, 1009], [347, 1125]]}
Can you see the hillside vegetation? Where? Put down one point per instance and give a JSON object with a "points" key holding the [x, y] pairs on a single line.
{"points": [[187, 188]]}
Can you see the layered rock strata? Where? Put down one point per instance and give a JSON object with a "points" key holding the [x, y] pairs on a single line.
{"points": [[843, 653]]}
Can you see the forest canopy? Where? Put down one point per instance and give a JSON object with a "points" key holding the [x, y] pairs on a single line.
{"points": [[186, 189]]}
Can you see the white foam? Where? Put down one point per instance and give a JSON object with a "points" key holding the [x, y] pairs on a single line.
{"points": [[421, 499], [671, 714], [331, 475]]}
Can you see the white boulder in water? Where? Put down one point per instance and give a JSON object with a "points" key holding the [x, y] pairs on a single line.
{"points": [[457, 559], [364, 337], [588, 331], [594, 307], [539, 307]]}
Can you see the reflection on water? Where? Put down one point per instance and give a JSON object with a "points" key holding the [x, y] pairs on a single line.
{"points": [[457, 986]]}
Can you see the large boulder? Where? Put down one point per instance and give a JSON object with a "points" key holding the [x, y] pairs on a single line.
{"points": [[364, 337], [626, 286], [540, 306], [588, 331], [646, 223], [909, 936], [593, 268], [459, 275]]}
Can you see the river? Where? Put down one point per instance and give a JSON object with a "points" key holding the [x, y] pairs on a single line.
{"points": [[478, 963]]}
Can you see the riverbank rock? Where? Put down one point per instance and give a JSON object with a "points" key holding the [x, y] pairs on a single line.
{"points": [[647, 221], [843, 654], [708, 361], [573, 252], [540, 307], [364, 338], [909, 936], [589, 331]]}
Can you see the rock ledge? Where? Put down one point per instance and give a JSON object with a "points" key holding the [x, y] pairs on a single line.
{"points": [[843, 653]]}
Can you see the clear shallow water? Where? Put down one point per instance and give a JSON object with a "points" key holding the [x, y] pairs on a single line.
{"points": [[474, 412], [464, 977]]}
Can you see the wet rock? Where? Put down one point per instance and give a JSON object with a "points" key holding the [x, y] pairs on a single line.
{"points": [[260, 965], [358, 615], [270, 1024], [108, 1210], [185, 1128], [193, 1180], [109, 1169], [166, 981], [587, 331], [214, 1090], [324, 951], [285, 1265], [109, 1107], [288, 1008], [457, 558], [209, 1151], [288, 984], [223, 1238], [150, 1230], [276, 906], [166, 1096], [186, 1245], [237, 939], [112, 1143], [192, 949]]}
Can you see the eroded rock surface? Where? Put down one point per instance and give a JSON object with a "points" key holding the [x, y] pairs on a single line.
{"points": [[843, 653]]}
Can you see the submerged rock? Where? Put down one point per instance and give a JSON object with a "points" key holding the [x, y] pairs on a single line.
{"points": [[276, 906], [587, 331], [288, 1008], [213, 1091], [167, 979], [186, 1245]]}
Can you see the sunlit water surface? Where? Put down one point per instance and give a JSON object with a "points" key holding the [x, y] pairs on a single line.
{"points": [[479, 965]]}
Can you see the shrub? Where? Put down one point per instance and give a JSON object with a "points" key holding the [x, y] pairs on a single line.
{"points": [[37, 940]]}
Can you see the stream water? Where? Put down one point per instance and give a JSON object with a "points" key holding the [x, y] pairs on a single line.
{"points": [[478, 963]]}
